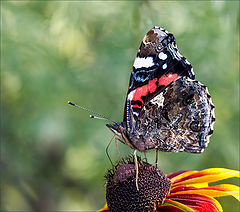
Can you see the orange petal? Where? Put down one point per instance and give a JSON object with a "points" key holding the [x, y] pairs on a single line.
{"points": [[197, 202], [213, 191], [206, 176], [104, 209], [176, 205]]}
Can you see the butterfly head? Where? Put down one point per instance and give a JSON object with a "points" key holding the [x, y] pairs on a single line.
{"points": [[119, 129]]}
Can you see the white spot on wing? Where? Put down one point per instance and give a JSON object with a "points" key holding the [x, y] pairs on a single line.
{"points": [[178, 54], [159, 100], [130, 95], [211, 125], [164, 66], [136, 114], [187, 62], [192, 71], [162, 56], [142, 62]]}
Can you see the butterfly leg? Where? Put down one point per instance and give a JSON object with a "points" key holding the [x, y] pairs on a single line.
{"points": [[116, 142], [107, 151], [156, 161], [136, 167]]}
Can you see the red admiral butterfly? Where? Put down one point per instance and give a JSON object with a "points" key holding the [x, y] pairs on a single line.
{"points": [[165, 108]]}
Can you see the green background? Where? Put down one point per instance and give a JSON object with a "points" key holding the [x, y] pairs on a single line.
{"points": [[53, 155]]}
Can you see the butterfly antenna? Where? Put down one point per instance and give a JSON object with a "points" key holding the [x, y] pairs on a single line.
{"points": [[97, 115]]}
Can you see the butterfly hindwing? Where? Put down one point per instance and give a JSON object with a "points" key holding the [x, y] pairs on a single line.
{"points": [[178, 119]]}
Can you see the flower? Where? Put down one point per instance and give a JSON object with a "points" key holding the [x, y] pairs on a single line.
{"points": [[179, 191]]}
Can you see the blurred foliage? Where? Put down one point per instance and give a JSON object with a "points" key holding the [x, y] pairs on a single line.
{"points": [[53, 155]]}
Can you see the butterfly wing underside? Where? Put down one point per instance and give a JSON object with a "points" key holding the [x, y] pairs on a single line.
{"points": [[178, 119], [165, 108], [157, 64]]}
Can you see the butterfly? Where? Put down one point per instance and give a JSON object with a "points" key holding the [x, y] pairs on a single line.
{"points": [[165, 108]]}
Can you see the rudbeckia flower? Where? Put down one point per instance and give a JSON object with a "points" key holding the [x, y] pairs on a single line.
{"points": [[179, 191]]}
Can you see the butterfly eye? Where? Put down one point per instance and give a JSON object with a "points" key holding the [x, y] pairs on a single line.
{"points": [[195, 126]]}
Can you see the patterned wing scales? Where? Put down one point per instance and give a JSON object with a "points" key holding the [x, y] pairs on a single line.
{"points": [[178, 119]]}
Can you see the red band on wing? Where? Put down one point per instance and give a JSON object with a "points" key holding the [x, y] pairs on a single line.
{"points": [[151, 87], [168, 78], [143, 91], [137, 106]]}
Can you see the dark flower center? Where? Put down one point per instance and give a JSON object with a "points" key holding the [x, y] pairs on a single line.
{"points": [[122, 194]]}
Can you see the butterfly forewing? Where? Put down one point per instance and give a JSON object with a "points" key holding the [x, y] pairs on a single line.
{"points": [[157, 64]]}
